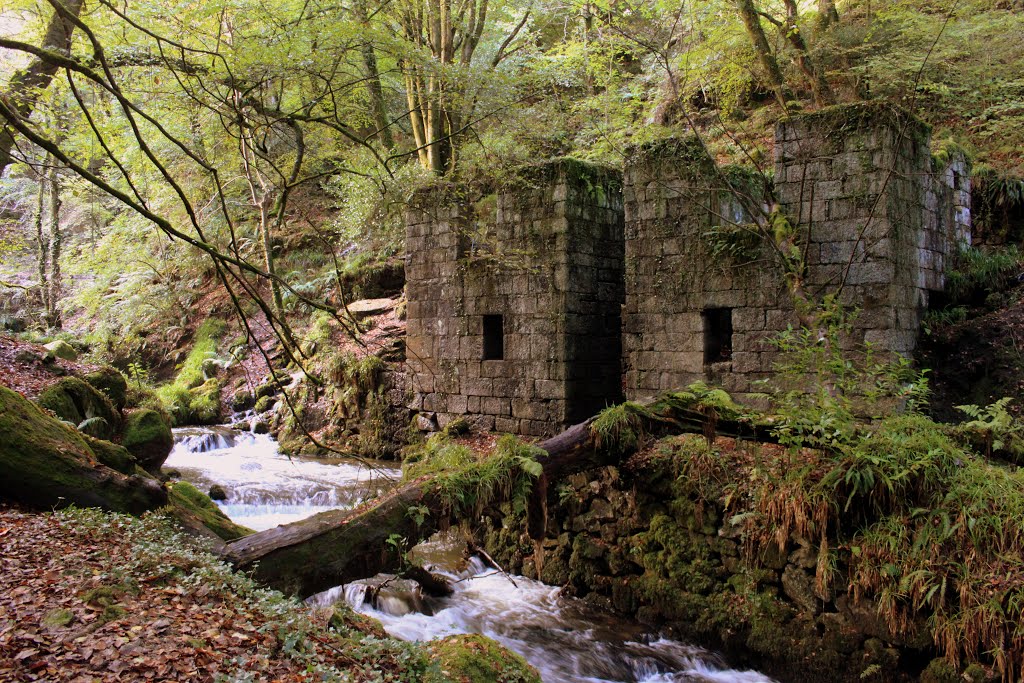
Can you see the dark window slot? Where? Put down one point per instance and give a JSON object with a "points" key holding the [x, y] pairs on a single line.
{"points": [[494, 337], [717, 335]]}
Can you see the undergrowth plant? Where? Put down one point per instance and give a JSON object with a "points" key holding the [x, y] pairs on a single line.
{"points": [[467, 482], [994, 428], [927, 528]]}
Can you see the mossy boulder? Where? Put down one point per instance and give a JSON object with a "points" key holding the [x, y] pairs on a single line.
{"points": [[113, 456], [76, 401], [112, 383], [147, 436], [187, 500], [61, 349], [242, 399], [477, 659], [45, 463], [264, 404]]}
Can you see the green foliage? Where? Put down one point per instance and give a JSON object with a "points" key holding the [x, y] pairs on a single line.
{"points": [[466, 483], [994, 197], [192, 398], [200, 405], [737, 243], [617, 429], [977, 273], [822, 389], [204, 346], [936, 319], [994, 428]]}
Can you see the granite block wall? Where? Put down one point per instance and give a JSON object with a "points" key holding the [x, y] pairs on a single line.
{"points": [[514, 301], [673, 199], [875, 220]]}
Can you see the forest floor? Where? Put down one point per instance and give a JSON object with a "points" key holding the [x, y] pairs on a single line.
{"points": [[87, 596], [22, 367]]}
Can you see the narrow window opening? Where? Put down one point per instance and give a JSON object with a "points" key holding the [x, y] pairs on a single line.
{"points": [[717, 335], [494, 337]]}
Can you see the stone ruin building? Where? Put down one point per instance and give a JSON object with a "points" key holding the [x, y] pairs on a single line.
{"points": [[513, 303], [575, 286]]}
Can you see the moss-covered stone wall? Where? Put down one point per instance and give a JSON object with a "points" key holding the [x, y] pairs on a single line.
{"points": [[633, 541], [875, 220], [513, 314]]}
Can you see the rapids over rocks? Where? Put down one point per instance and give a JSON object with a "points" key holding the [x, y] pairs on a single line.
{"points": [[564, 638]]}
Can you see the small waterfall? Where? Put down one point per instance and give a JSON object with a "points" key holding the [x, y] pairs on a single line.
{"points": [[203, 440], [264, 487], [566, 640]]}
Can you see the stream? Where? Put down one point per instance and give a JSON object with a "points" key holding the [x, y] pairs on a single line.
{"points": [[564, 638]]}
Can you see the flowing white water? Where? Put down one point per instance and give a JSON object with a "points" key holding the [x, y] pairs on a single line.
{"points": [[265, 488], [565, 639]]}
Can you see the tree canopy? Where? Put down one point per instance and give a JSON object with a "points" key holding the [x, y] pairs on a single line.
{"points": [[193, 134]]}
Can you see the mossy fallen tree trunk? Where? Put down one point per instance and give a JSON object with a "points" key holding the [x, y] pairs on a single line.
{"points": [[335, 547], [340, 546], [45, 463]]}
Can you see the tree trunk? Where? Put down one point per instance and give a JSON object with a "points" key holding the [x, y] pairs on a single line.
{"points": [[752, 22], [827, 13], [43, 243], [819, 86], [377, 106], [340, 546], [25, 87], [53, 318]]}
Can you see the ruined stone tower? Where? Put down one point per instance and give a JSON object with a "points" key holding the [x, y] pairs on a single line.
{"points": [[876, 223], [513, 314]]}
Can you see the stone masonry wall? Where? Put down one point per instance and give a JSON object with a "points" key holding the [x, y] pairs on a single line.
{"points": [[632, 540], [546, 256], [858, 177], [877, 225], [672, 199]]}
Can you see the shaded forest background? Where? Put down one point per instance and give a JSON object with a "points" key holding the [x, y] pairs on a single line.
{"points": [[159, 153]]}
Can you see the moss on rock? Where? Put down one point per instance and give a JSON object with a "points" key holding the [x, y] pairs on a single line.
{"points": [[187, 499], [147, 436], [61, 349], [45, 463], [112, 383], [476, 659], [196, 406], [110, 454], [75, 400]]}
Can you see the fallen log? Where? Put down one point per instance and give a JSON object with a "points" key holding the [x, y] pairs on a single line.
{"points": [[340, 546]]}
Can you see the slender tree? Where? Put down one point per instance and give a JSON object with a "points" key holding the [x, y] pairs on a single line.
{"points": [[752, 23], [26, 85]]}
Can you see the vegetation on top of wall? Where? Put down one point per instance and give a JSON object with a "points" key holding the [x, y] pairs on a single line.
{"points": [[877, 114], [467, 482]]}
